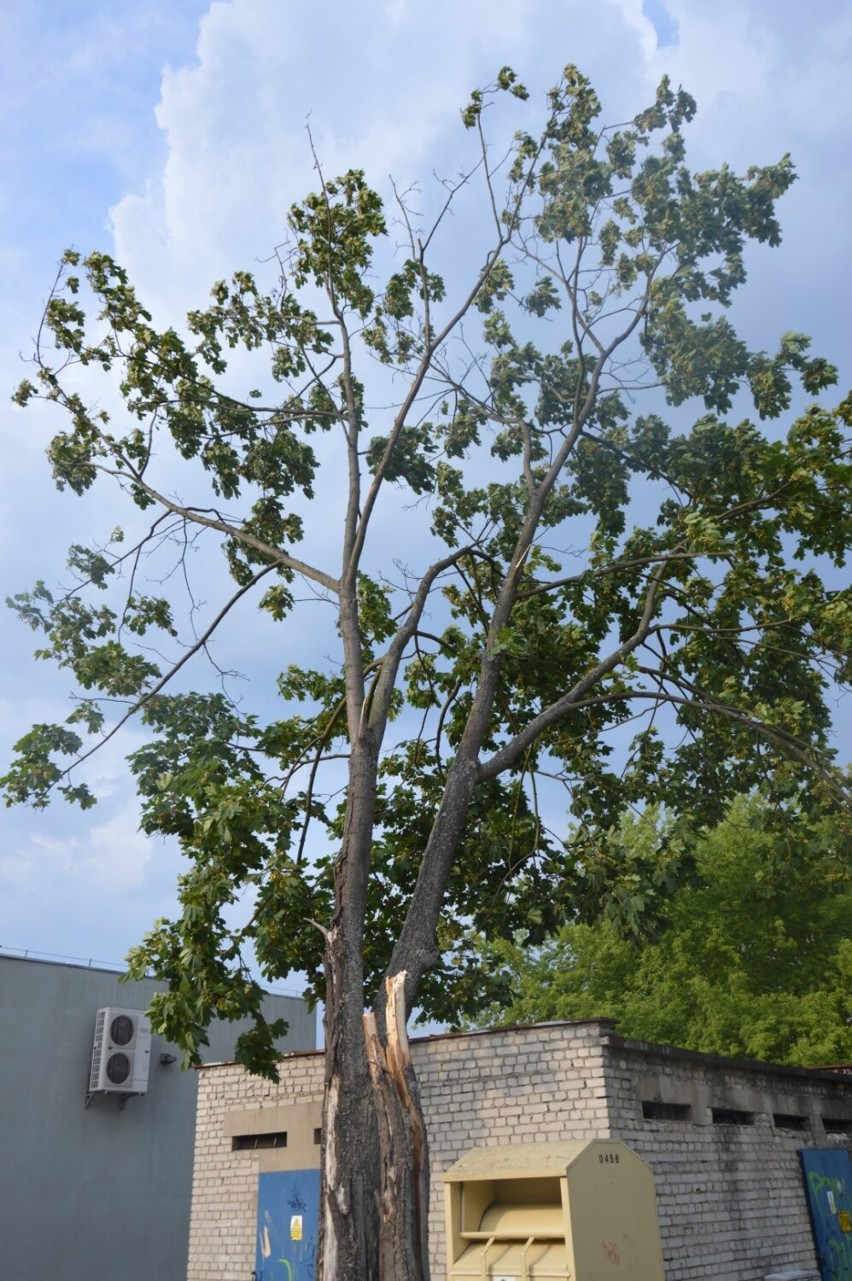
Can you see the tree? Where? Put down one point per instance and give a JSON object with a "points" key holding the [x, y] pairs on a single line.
{"points": [[462, 689], [752, 955]]}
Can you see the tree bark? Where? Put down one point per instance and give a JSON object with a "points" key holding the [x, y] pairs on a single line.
{"points": [[375, 1169], [403, 1148], [349, 1214], [375, 1161], [349, 1218]]}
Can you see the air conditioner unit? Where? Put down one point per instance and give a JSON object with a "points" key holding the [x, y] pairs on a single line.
{"points": [[121, 1052]]}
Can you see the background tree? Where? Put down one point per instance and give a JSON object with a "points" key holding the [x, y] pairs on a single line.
{"points": [[411, 789], [753, 954]]}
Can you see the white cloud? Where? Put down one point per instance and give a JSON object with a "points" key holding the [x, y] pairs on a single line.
{"points": [[108, 863], [381, 84], [91, 893], [381, 89], [119, 854], [104, 848]]}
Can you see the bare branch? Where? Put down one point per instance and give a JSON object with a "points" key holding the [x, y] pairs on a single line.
{"points": [[509, 754], [146, 698], [196, 516]]}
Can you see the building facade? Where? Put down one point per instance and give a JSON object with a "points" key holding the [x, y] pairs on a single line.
{"points": [[99, 1191], [723, 1138]]}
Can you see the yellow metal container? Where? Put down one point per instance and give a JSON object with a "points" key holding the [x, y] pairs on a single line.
{"points": [[582, 1211]]}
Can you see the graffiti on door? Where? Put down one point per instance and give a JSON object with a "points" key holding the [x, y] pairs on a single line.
{"points": [[287, 1224], [828, 1181]]}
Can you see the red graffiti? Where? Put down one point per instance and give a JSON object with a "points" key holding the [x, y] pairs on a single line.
{"points": [[610, 1249]]}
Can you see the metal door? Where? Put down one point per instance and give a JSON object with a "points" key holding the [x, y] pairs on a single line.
{"points": [[287, 1224], [828, 1180]]}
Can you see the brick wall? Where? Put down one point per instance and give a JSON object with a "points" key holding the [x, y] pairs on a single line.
{"points": [[494, 1088], [729, 1184], [729, 1190], [224, 1187]]}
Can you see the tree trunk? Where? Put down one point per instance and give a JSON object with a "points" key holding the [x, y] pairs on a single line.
{"points": [[349, 1219], [348, 1235], [403, 1148], [374, 1199], [375, 1166]]}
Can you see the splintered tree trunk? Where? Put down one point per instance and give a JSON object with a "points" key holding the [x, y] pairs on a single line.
{"points": [[403, 1150], [375, 1158]]}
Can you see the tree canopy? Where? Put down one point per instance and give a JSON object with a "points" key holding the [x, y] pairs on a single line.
{"points": [[587, 608], [752, 955]]}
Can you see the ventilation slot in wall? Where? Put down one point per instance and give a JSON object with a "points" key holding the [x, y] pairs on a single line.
{"points": [[654, 1110], [790, 1121], [249, 1142], [731, 1116], [837, 1124]]}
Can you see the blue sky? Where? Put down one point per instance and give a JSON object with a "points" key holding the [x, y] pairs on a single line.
{"points": [[174, 136]]}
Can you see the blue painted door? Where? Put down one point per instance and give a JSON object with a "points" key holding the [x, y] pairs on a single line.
{"points": [[287, 1225], [828, 1180]]}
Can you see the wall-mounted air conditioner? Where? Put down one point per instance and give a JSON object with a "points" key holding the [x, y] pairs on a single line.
{"points": [[121, 1052]]}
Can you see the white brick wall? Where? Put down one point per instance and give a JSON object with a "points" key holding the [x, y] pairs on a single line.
{"points": [[730, 1197], [224, 1188]]}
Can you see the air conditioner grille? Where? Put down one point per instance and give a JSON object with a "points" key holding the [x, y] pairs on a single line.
{"points": [[121, 1052], [118, 1068], [121, 1030]]}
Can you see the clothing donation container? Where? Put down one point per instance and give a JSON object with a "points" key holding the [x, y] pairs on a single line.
{"points": [[578, 1211]]}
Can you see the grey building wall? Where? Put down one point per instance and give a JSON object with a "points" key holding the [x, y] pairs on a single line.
{"points": [[89, 1194]]}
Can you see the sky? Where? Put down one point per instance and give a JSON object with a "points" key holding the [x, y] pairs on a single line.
{"points": [[174, 136]]}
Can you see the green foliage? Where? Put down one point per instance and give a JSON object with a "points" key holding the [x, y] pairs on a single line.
{"points": [[752, 957], [580, 569]]}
